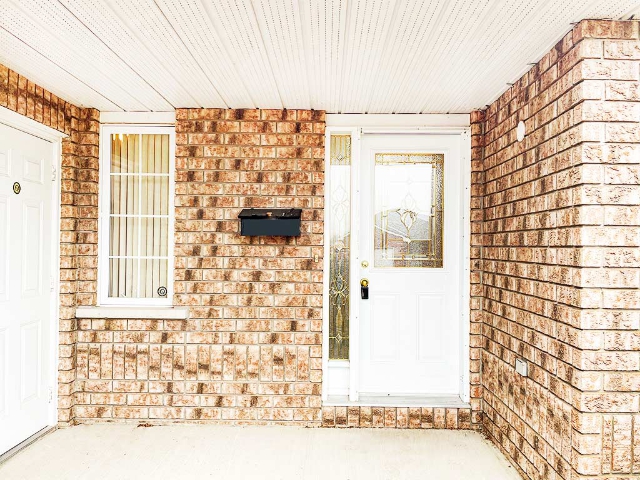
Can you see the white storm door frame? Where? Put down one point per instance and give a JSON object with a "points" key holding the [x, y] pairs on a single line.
{"points": [[32, 127], [394, 124]]}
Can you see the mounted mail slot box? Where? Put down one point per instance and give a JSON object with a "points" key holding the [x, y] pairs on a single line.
{"points": [[272, 222]]}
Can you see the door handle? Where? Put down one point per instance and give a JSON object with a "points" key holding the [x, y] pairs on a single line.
{"points": [[364, 289]]}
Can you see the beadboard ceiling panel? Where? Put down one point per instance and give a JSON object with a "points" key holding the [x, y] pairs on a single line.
{"points": [[107, 27], [21, 58], [342, 56], [280, 29], [237, 22], [192, 23]]}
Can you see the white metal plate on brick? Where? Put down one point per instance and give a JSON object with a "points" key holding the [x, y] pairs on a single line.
{"points": [[357, 56]]}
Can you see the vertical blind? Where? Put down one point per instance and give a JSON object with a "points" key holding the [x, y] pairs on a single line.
{"points": [[139, 216]]}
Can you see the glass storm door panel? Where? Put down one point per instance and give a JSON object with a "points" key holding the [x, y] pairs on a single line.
{"points": [[410, 250], [408, 206]]}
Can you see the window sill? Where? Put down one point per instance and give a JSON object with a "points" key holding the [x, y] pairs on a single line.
{"points": [[159, 313], [428, 401]]}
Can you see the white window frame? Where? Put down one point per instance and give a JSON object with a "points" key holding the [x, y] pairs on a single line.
{"points": [[104, 196]]}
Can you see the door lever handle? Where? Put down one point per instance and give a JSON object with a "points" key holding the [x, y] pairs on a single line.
{"points": [[364, 289]]}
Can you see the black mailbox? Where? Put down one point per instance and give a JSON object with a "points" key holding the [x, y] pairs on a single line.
{"points": [[272, 222]]}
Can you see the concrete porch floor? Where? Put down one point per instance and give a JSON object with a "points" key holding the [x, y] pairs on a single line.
{"points": [[226, 452]]}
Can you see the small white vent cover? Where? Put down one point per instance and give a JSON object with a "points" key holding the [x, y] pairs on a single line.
{"points": [[521, 130]]}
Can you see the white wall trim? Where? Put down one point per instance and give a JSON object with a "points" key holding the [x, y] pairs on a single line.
{"points": [[465, 277], [354, 307], [55, 273], [147, 118], [341, 382], [401, 121], [30, 126], [325, 268]]}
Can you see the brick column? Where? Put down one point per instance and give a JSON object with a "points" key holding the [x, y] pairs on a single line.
{"points": [[256, 302], [607, 201], [476, 217], [561, 259]]}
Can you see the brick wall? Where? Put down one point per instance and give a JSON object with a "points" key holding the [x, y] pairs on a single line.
{"points": [[251, 348], [555, 270], [78, 199], [401, 417], [561, 258], [476, 290]]}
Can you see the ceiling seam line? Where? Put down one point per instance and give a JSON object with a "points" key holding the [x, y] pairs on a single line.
{"points": [[226, 104], [64, 70], [117, 55], [273, 77]]}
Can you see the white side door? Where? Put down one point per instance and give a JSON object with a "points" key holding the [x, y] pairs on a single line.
{"points": [[25, 294], [410, 204]]}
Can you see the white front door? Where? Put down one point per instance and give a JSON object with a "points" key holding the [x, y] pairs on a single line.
{"points": [[25, 293], [410, 253]]}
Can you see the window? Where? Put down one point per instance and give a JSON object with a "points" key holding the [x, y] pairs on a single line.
{"points": [[136, 215], [339, 246], [409, 198]]}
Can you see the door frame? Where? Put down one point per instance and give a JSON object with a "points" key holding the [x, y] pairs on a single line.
{"points": [[27, 125], [340, 377]]}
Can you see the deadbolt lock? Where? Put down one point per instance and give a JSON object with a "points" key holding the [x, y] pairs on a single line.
{"points": [[364, 289], [364, 264]]}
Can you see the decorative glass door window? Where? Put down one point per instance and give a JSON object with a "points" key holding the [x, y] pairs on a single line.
{"points": [[408, 202], [136, 218], [340, 246]]}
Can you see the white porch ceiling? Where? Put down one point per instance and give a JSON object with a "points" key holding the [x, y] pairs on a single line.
{"points": [[343, 56]]}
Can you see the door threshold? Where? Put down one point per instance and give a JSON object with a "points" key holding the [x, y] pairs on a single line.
{"points": [[427, 401], [25, 443]]}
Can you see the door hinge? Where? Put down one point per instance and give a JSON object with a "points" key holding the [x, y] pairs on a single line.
{"points": [[53, 173], [52, 284], [50, 394]]}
